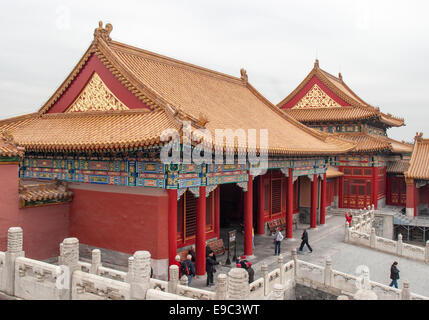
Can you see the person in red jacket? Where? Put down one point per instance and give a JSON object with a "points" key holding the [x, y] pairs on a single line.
{"points": [[349, 218]]}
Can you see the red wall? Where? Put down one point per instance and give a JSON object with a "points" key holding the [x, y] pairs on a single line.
{"points": [[121, 221], [44, 227]]}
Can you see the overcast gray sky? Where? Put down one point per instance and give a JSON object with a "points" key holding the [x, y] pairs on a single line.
{"points": [[380, 47]]}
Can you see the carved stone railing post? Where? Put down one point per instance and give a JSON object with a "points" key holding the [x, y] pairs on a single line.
{"points": [[221, 293], [328, 272], [69, 263], [129, 276], [405, 292], [399, 245], [280, 265], [14, 250], [358, 223], [238, 284], [427, 252], [278, 292], [372, 238], [264, 272], [184, 280], [173, 279], [295, 263], [95, 261], [60, 262], [141, 275]]}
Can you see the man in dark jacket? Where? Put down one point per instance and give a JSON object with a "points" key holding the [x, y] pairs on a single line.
{"points": [[210, 263], [394, 275], [304, 239]]}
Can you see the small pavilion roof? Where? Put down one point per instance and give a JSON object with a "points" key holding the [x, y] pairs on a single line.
{"points": [[353, 108], [36, 193], [419, 162], [366, 142], [397, 166]]}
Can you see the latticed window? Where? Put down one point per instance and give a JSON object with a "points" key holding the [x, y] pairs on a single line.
{"points": [[276, 196], [187, 215]]}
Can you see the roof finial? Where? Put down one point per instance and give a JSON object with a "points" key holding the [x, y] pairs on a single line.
{"points": [[103, 33], [340, 76], [419, 136], [316, 63], [243, 73]]}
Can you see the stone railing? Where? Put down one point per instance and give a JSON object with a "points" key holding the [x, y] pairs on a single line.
{"points": [[75, 280], [361, 233], [36, 279]]}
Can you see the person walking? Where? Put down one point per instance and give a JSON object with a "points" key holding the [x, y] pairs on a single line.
{"points": [[304, 241], [394, 275], [187, 268], [278, 237], [210, 269]]}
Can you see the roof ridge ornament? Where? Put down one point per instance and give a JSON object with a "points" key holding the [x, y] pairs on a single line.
{"points": [[243, 73], [103, 33], [419, 136], [316, 63], [340, 76]]}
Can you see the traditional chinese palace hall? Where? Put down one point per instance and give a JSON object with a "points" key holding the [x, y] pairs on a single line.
{"points": [[88, 164], [373, 171]]}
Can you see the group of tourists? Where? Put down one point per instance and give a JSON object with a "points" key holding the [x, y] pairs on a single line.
{"points": [[187, 267]]}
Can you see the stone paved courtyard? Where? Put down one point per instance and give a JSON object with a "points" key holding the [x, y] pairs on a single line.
{"points": [[328, 241]]}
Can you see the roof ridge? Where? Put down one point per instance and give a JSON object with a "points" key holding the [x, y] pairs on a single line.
{"points": [[176, 62], [285, 116], [99, 113], [18, 118]]}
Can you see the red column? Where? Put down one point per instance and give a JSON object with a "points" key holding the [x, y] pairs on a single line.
{"points": [[172, 225], [323, 200], [248, 218], [416, 200], [375, 189], [200, 238], [313, 212], [289, 205], [261, 201], [411, 195], [217, 206], [340, 190]]}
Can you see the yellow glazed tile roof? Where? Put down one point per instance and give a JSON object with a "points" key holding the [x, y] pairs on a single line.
{"points": [[333, 173], [93, 130], [8, 147], [176, 91], [419, 163], [398, 166], [359, 109], [36, 191]]}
